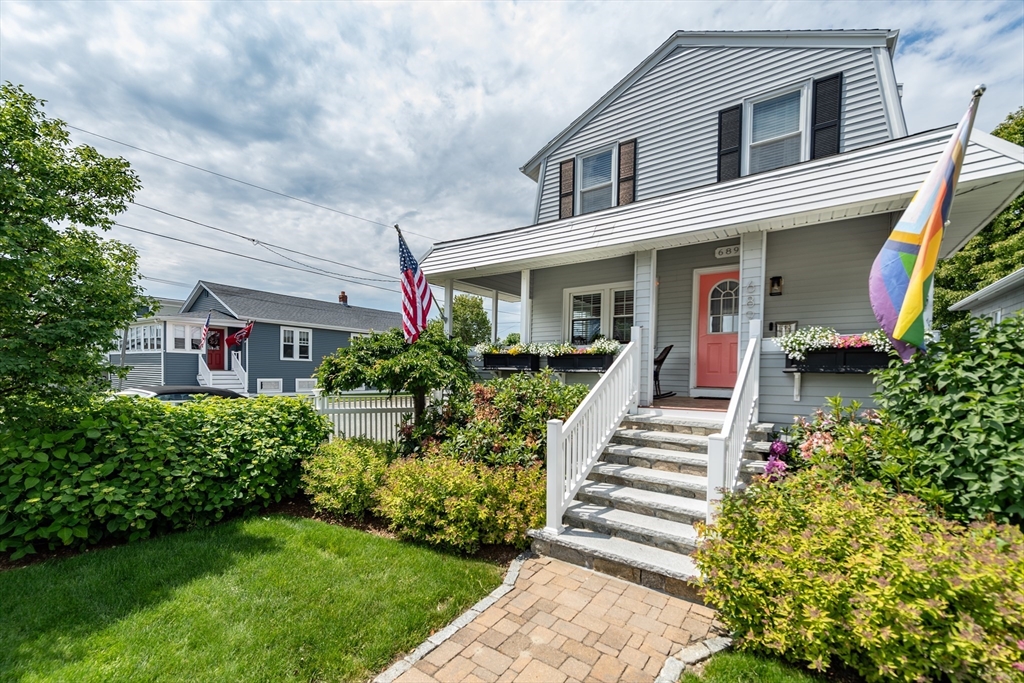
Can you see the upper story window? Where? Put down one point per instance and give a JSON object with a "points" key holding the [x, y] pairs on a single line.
{"points": [[296, 343], [597, 187], [776, 132]]}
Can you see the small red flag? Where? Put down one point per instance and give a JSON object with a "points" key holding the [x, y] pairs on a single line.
{"points": [[237, 338]]}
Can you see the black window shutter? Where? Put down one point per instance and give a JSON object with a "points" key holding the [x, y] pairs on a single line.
{"points": [[826, 105], [730, 127], [627, 172], [566, 188]]}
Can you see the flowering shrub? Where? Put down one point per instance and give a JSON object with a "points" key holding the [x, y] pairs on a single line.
{"points": [[552, 350], [796, 344], [816, 568]]}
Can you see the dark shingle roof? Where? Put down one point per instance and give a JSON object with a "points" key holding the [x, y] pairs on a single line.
{"points": [[256, 305]]}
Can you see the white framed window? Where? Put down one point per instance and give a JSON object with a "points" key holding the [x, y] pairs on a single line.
{"points": [[269, 386], [185, 338], [296, 343], [305, 385], [776, 129], [724, 308], [599, 311], [595, 187], [142, 339]]}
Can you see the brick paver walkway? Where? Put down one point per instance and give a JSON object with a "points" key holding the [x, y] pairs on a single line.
{"points": [[562, 623]]}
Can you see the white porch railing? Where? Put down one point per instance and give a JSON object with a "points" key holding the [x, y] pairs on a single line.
{"points": [[370, 415], [240, 372], [575, 445], [725, 449], [205, 377]]}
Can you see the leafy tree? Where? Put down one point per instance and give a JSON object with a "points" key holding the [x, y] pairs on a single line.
{"points": [[64, 291], [993, 253], [469, 321], [384, 360]]}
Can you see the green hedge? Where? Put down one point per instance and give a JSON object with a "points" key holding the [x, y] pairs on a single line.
{"points": [[816, 568], [344, 475], [125, 468], [462, 504], [962, 404]]}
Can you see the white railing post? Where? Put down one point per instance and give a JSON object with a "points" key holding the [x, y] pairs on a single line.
{"points": [[716, 473], [556, 477], [204, 372], [241, 373], [636, 335], [755, 333]]}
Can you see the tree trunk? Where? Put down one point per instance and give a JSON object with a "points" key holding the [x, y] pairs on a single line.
{"points": [[419, 404]]}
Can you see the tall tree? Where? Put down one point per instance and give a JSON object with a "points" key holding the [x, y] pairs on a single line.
{"points": [[469, 321], [64, 290], [993, 253]]}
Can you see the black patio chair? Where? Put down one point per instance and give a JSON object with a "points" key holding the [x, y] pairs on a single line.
{"points": [[658, 362]]}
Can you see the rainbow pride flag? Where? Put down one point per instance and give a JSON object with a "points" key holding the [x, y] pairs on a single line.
{"points": [[901, 276]]}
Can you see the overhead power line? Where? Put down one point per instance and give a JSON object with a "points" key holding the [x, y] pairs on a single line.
{"points": [[243, 182], [253, 258], [268, 245]]}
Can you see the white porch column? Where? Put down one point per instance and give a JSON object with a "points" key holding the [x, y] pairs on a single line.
{"points": [[752, 278], [494, 317], [645, 301], [525, 317], [449, 298]]}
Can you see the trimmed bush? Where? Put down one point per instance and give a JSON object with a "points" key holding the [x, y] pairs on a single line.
{"points": [[963, 406], [126, 468], [462, 504], [815, 567], [344, 475]]}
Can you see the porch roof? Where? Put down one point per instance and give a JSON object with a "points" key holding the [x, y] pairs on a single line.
{"points": [[873, 180]]}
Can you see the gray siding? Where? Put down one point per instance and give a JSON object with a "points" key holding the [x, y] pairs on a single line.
{"points": [[205, 303], [673, 111], [144, 369], [265, 355], [675, 307], [825, 271], [181, 368], [1007, 304], [777, 404], [548, 285]]}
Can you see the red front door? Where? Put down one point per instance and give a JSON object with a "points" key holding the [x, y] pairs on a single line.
{"points": [[215, 349], [718, 321]]}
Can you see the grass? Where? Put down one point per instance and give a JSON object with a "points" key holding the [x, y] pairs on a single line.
{"points": [[742, 667], [269, 598]]}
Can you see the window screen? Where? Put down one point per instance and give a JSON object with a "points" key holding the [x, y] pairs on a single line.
{"points": [[776, 137], [288, 343], [622, 315], [596, 182], [586, 318]]}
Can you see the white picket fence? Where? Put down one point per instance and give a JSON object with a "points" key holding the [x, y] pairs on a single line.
{"points": [[370, 415]]}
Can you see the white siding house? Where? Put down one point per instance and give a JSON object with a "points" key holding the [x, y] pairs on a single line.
{"points": [[749, 155], [1001, 299]]}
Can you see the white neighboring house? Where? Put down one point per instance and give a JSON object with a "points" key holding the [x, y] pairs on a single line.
{"points": [[999, 300], [732, 185]]}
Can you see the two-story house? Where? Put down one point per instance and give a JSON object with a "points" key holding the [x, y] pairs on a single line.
{"points": [[289, 338], [724, 160]]}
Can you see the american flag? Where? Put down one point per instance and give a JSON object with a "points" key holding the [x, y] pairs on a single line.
{"points": [[206, 330], [415, 294]]}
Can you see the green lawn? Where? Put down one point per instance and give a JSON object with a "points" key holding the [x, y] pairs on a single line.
{"points": [[269, 598], [741, 667]]}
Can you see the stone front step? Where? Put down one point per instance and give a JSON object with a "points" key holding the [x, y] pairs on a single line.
{"points": [[647, 479], [678, 425], [648, 566], [657, 458], [676, 537], [650, 503], [691, 443]]}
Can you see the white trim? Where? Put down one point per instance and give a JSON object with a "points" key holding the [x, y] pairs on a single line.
{"points": [[191, 324], [295, 343], [606, 291], [695, 391], [892, 105], [126, 338], [261, 380], [995, 289], [195, 294], [309, 389], [541, 179], [578, 178], [805, 89]]}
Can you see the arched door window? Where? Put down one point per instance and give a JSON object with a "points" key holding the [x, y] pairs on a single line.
{"points": [[724, 308]]}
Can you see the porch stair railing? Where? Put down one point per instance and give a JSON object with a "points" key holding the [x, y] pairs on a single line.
{"points": [[240, 372], [725, 449], [205, 377], [574, 446]]}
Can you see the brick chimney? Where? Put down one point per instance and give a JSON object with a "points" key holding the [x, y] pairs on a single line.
{"points": [[343, 299]]}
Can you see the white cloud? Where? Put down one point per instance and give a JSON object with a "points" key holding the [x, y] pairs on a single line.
{"points": [[418, 112]]}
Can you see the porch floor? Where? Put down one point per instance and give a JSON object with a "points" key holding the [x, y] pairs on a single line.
{"points": [[686, 403]]}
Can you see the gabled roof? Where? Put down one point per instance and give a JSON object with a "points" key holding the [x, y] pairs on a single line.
{"points": [[867, 181], [836, 38], [1006, 284], [253, 304]]}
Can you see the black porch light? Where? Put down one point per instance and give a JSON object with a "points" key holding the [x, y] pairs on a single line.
{"points": [[775, 286]]}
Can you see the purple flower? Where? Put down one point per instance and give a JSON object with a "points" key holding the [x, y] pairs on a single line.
{"points": [[779, 449], [775, 468]]}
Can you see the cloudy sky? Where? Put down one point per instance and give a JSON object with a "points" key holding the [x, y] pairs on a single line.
{"points": [[418, 113]]}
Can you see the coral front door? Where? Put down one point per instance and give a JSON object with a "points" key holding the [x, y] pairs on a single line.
{"points": [[718, 321], [215, 349]]}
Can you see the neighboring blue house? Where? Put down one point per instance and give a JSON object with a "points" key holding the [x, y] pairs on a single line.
{"points": [[290, 337]]}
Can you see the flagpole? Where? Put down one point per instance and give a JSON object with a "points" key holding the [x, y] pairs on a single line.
{"points": [[440, 308]]}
